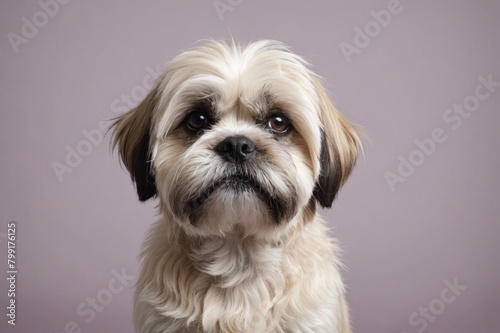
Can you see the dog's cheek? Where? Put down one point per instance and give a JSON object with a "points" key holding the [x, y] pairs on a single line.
{"points": [[184, 166], [167, 160], [300, 167]]}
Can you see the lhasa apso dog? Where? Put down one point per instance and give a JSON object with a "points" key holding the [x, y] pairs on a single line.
{"points": [[239, 144]]}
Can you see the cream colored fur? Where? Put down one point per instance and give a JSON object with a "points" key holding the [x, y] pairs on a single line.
{"points": [[235, 265]]}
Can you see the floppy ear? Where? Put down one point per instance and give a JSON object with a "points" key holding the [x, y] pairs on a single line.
{"points": [[339, 148], [131, 133]]}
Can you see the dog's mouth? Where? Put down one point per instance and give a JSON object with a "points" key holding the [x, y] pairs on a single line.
{"points": [[237, 183], [279, 207]]}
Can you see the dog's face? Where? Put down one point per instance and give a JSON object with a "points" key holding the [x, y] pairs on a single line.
{"points": [[237, 138]]}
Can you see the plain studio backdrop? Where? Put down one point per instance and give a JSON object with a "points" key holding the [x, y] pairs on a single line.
{"points": [[418, 219]]}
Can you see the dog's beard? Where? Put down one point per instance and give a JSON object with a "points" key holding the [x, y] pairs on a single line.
{"points": [[213, 197], [238, 191]]}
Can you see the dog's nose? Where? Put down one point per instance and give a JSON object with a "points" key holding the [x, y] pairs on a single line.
{"points": [[236, 149]]}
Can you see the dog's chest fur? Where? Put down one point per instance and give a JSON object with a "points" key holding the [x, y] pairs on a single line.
{"points": [[239, 285]]}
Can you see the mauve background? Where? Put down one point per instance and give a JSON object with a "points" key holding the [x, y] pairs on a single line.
{"points": [[441, 223]]}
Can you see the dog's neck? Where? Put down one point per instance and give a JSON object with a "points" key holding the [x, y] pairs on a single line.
{"points": [[232, 261]]}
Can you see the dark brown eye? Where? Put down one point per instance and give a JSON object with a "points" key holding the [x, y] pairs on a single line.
{"points": [[196, 121], [279, 124]]}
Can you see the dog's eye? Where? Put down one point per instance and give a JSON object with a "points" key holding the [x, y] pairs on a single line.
{"points": [[197, 121], [279, 124]]}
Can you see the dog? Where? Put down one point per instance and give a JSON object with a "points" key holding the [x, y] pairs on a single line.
{"points": [[239, 143]]}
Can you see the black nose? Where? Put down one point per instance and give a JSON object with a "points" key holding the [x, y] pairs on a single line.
{"points": [[236, 149]]}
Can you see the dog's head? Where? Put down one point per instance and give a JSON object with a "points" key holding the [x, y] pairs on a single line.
{"points": [[237, 136]]}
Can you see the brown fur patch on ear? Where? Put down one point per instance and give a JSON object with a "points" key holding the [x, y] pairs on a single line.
{"points": [[329, 181], [131, 136], [339, 149]]}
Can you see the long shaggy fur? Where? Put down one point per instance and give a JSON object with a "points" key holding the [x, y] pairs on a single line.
{"points": [[239, 247]]}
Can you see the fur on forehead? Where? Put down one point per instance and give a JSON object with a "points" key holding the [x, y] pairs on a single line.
{"points": [[239, 79]]}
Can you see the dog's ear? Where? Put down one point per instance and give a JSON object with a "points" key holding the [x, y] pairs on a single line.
{"points": [[131, 134], [339, 148]]}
